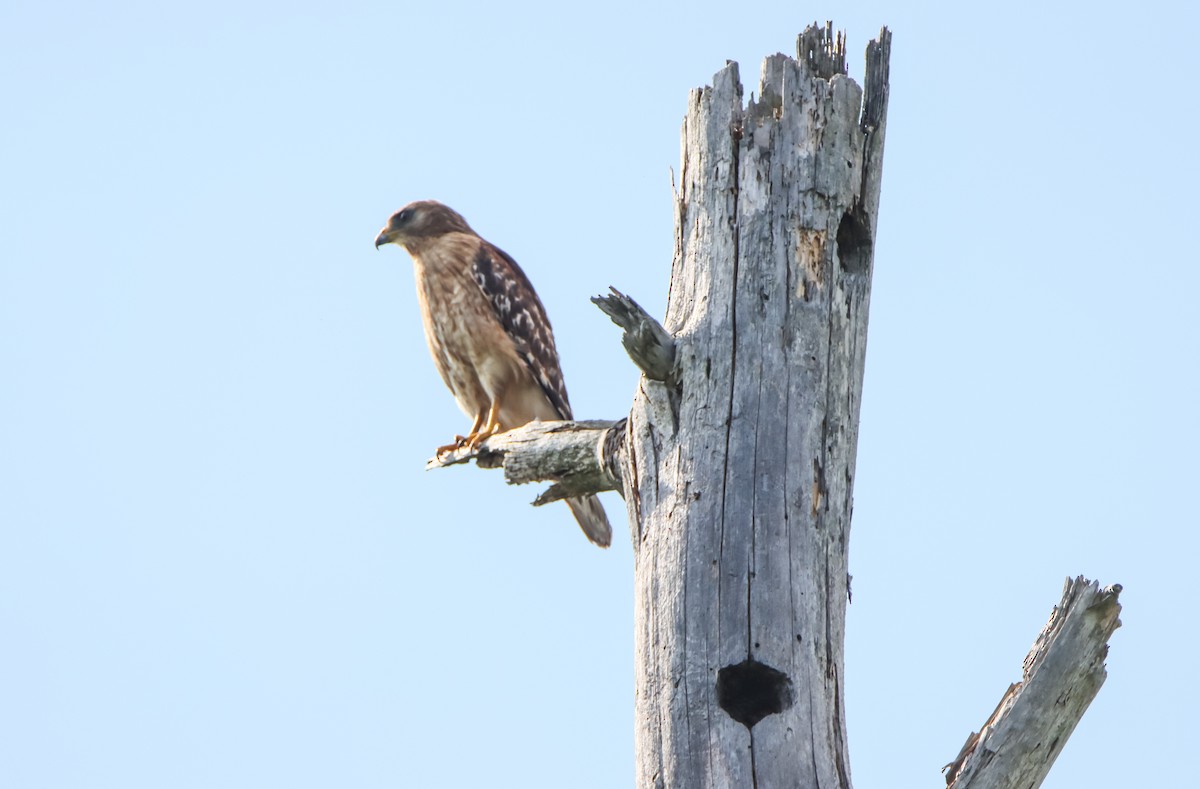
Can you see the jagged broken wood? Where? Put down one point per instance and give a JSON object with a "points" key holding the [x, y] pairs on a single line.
{"points": [[742, 473], [578, 457], [651, 347], [737, 459], [1063, 673]]}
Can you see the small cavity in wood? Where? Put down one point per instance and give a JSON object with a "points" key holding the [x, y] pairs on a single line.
{"points": [[854, 241], [750, 691]]}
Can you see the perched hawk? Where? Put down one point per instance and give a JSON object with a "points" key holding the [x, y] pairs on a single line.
{"points": [[488, 333]]}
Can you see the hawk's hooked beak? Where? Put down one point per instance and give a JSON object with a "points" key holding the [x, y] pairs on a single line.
{"points": [[384, 237]]}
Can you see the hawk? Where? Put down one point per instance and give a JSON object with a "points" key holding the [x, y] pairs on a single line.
{"points": [[488, 333]]}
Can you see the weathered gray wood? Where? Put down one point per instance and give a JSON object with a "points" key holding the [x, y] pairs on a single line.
{"points": [[737, 461], [579, 457], [1063, 673], [649, 345], [739, 479]]}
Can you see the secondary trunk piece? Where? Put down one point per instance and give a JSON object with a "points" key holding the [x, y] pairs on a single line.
{"points": [[740, 467], [1018, 744]]}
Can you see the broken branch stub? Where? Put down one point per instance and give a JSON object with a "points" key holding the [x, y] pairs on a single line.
{"points": [[578, 457], [651, 347], [1063, 672]]}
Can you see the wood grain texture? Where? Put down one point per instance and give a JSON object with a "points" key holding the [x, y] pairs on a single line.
{"points": [[651, 347], [740, 476], [580, 458], [1063, 672], [737, 460]]}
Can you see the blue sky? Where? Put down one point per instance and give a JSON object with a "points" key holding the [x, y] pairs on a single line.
{"points": [[221, 563]]}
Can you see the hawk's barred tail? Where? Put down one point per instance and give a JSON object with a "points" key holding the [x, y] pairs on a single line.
{"points": [[590, 513]]}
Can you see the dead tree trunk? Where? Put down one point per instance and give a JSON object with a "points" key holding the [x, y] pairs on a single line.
{"points": [[741, 468], [737, 459]]}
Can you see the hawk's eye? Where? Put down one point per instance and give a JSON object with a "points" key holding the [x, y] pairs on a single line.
{"points": [[404, 216]]}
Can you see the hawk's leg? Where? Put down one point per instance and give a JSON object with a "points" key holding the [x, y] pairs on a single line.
{"points": [[461, 441], [479, 435]]}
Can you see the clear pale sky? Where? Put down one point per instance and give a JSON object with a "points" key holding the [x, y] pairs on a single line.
{"points": [[221, 563]]}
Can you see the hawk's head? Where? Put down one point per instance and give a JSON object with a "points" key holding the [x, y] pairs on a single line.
{"points": [[419, 222]]}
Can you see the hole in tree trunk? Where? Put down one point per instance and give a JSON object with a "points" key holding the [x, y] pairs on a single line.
{"points": [[750, 691], [854, 240]]}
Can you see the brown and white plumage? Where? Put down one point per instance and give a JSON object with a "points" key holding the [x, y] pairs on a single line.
{"points": [[488, 332]]}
